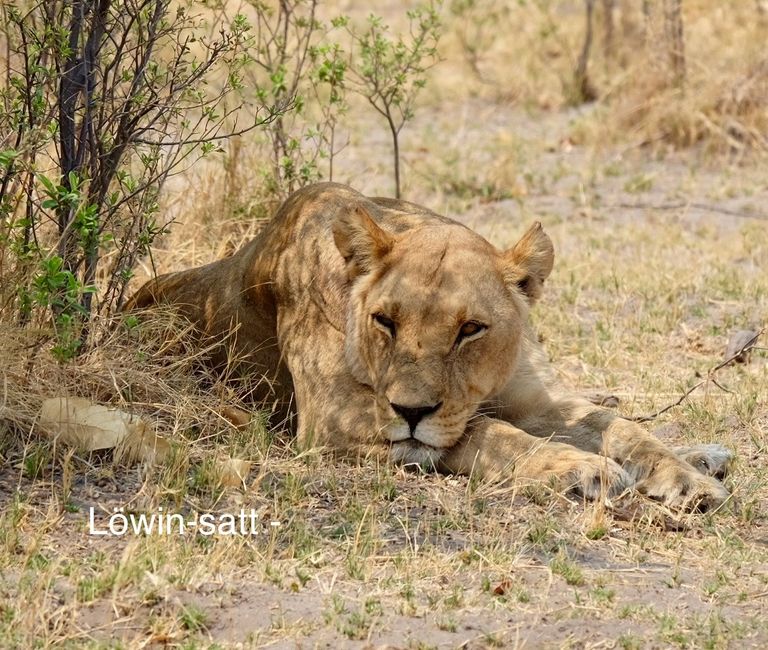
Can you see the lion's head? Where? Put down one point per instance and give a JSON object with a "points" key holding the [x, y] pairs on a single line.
{"points": [[435, 323]]}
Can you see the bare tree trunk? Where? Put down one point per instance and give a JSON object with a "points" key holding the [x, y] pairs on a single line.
{"points": [[395, 152], [609, 7], [673, 27], [664, 37], [582, 89]]}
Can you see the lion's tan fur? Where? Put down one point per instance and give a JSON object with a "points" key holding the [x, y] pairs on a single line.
{"points": [[357, 311]]}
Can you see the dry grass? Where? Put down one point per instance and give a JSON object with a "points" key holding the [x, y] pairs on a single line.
{"points": [[642, 298], [722, 105]]}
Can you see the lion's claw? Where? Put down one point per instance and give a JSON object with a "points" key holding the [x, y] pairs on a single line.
{"points": [[683, 488]]}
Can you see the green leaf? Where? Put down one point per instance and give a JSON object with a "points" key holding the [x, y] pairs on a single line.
{"points": [[7, 157], [50, 188]]}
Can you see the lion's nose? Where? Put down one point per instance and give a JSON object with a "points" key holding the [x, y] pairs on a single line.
{"points": [[414, 414]]}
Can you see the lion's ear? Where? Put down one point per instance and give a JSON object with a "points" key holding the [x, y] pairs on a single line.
{"points": [[360, 241], [529, 262]]}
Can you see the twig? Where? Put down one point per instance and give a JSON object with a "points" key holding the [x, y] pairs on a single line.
{"points": [[684, 204], [721, 387], [709, 378]]}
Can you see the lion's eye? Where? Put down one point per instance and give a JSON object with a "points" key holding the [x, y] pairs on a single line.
{"points": [[384, 323], [470, 330]]}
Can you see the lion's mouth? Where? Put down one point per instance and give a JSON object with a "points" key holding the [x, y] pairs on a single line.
{"points": [[414, 452], [415, 442], [426, 435]]}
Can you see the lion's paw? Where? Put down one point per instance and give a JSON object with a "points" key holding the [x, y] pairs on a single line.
{"points": [[595, 477], [681, 487], [712, 460]]}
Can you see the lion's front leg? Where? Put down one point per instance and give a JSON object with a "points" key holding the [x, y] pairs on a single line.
{"points": [[496, 449], [659, 472]]}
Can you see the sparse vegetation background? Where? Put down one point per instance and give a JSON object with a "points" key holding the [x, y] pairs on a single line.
{"points": [[144, 136]]}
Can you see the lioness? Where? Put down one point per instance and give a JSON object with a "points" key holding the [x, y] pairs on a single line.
{"points": [[402, 332]]}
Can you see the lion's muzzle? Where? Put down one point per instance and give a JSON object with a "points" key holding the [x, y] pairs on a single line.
{"points": [[414, 414]]}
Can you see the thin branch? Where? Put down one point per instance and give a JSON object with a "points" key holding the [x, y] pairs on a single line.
{"points": [[211, 138]]}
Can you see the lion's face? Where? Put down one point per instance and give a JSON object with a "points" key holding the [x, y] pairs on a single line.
{"points": [[435, 324]]}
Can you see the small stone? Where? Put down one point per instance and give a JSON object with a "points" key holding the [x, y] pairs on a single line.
{"points": [[739, 340]]}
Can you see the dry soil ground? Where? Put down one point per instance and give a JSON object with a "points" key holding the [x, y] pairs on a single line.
{"points": [[659, 259]]}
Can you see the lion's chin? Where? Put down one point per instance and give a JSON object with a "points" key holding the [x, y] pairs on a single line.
{"points": [[413, 452]]}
